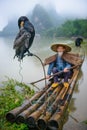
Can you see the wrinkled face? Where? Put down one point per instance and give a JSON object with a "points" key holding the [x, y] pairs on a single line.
{"points": [[60, 49]]}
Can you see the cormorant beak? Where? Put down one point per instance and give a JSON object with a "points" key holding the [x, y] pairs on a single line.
{"points": [[22, 24]]}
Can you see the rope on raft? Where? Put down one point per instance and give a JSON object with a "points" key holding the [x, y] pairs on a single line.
{"points": [[20, 72]]}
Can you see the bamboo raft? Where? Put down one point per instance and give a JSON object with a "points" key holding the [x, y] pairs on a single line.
{"points": [[47, 107]]}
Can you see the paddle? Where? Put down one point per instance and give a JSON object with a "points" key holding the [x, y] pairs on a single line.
{"points": [[56, 74]]}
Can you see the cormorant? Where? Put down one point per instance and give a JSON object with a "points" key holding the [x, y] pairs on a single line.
{"points": [[78, 41], [24, 38]]}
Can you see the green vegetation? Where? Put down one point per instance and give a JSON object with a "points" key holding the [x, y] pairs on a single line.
{"points": [[12, 94], [70, 29], [85, 121]]}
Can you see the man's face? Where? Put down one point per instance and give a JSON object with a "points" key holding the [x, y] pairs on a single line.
{"points": [[60, 49]]}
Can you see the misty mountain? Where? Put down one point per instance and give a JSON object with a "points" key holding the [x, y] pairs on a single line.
{"points": [[56, 19], [43, 19], [10, 29]]}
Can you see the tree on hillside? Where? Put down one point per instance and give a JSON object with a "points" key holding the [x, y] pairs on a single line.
{"points": [[70, 28], [73, 28]]}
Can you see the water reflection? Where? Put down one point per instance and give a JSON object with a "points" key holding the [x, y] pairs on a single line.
{"points": [[79, 81]]}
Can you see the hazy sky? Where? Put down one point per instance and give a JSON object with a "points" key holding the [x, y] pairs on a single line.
{"points": [[14, 8]]}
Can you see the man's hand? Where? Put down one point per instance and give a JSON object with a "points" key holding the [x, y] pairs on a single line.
{"points": [[66, 70], [48, 76]]}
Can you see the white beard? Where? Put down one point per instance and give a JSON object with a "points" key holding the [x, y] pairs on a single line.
{"points": [[60, 54]]}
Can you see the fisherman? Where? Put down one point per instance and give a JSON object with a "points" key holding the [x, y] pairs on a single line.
{"points": [[24, 38], [78, 41], [60, 64]]}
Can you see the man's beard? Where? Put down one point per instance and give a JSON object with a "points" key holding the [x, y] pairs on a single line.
{"points": [[60, 54]]}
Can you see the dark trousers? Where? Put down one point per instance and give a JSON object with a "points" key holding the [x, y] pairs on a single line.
{"points": [[64, 75]]}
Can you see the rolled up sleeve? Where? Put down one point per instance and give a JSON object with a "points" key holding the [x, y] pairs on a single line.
{"points": [[51, 65], [68, 65]]}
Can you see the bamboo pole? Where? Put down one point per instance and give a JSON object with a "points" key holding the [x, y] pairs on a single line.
{"points": [[11, 116], [55, 119], [24, 115], [31, 120], [58, 73]]}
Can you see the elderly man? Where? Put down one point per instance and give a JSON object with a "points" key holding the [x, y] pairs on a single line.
{"points": [[60, 64]]}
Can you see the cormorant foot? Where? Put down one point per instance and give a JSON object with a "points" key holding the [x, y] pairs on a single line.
{"points": [[30, 54]]}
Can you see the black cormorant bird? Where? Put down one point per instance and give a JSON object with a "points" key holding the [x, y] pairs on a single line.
{"points": [[78, 41], [24, 38]]}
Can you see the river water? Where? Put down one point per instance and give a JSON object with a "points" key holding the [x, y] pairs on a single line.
{"points": [[32, 70]]}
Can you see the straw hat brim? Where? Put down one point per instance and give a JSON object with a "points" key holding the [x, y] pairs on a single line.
{"points": [[55, 46]]}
